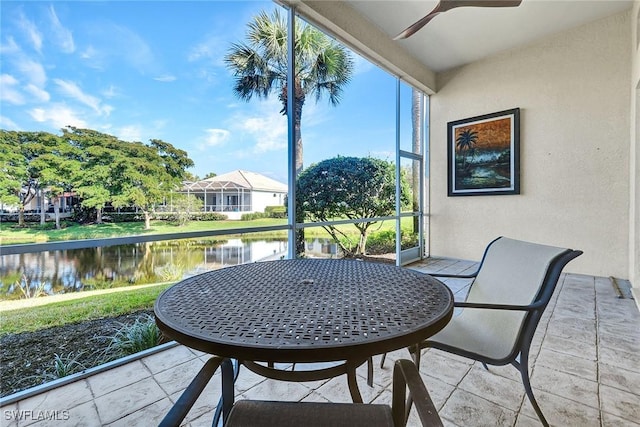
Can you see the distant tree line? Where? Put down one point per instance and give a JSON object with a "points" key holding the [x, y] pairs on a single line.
{"points": [[100, 168]]}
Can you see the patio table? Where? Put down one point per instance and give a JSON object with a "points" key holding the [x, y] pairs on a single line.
{"points": [[299, 311]]}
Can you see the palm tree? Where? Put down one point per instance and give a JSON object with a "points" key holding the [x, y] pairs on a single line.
{"points": [[465, 143], [322, 66]]}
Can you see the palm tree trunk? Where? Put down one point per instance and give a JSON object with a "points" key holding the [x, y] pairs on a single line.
{"points": [[299, 102], [43, 210], [416, 121]]}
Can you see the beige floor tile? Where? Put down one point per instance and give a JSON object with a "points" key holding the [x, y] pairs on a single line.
{"points": [[620, 403], [128, 400], [445, 423], [315, 397], [568, 346], [496, 389], [609, 420], [469, 410], [448, 368], [439, 391], [565, 385], [562, 412], [524, 421], [337, 390], [628, 330], [84, 415], [168, 359], [277, 390], [621, 359], [178, 377], [619, 378], [206, 402], [62, 398], [573, 328], [9, 415], [620, 342], [569, 364], [130, 373], [247, 379], [506, 371], [148, 416]]}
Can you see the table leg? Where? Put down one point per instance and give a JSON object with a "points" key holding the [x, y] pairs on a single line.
{"points": [[353, 384]]}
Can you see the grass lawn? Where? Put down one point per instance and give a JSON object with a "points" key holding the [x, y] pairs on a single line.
{"points": [[90, 305]]}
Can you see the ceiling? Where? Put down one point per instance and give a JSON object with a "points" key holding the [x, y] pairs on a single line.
{"points": [[466, 34]]}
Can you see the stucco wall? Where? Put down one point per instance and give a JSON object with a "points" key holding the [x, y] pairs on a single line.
{"points": [[634, 181], [573, 93], [262, 199]]}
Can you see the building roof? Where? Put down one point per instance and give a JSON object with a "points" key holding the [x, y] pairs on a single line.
{"points": [[239, 179]]}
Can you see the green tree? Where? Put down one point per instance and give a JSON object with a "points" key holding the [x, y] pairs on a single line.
{"points": [[322, 66], [349, 187], [13, 169], [465, 142], [149, 175], [100, 154], [185, 206], [19, 156], [56, 168]]}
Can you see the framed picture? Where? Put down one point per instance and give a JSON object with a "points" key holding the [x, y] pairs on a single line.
{"points": [[484, 154]]}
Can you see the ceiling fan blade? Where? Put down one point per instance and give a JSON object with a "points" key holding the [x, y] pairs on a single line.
{"points": [[445, 5]]}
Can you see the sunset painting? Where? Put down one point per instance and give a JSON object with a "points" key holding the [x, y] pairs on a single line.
{"points": [[483, 154]]}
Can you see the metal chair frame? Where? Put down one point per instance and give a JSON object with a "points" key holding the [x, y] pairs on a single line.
{"points": [[519, 356]]}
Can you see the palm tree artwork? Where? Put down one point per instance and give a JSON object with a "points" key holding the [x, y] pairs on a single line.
{"points": [[323, 67], [465, 144]]}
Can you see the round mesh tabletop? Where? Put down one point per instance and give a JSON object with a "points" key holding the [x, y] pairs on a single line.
{"points": [[307, 310]]}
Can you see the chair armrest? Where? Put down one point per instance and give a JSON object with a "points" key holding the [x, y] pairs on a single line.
{"points": [[454, 276], [530, 307], [406, 375]]}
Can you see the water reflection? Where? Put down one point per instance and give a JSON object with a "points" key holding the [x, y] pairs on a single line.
{"points": [[75, 270]]}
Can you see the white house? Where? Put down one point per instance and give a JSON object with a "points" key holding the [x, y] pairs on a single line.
{"points": [[238, 192]]}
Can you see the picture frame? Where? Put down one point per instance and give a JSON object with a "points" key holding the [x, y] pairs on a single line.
{"points": [[483, 154]]}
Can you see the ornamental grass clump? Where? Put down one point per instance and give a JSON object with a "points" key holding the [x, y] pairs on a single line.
{"points": [[130, 339]]}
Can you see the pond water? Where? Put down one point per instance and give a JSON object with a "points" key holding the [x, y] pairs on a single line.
{"points": [[75, 270]]}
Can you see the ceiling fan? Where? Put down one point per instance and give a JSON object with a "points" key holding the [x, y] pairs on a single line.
{"points": [[445, 5]]}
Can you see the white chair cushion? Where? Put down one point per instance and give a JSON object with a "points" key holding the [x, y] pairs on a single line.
{"points": [[512, 273]]}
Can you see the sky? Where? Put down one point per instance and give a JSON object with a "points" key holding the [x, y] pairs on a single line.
{"points": [[144, 70]]}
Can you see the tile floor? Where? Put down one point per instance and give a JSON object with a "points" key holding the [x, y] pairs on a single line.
{"points": [[585, 372]]}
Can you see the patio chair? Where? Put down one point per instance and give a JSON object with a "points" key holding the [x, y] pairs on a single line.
{"points": [[255, 413], [510, 290]]}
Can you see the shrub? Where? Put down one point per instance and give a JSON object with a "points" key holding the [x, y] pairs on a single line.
{"points": [[66, 365], [276, 211], [252, 216], [131, 339]]}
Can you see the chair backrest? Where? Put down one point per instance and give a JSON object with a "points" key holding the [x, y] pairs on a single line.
{"points": [[514, 272]]}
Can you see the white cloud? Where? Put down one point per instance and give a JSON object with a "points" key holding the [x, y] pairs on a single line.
{"points": [[361, 65], [110, 92], [214, 137], [32, 71], [165, 78], [265, 126], [57, 115], [72, 90], [62, 36], [38, 95], [129, 133], [213, 48], [31, 31], [7, 123], [9, 92], [10, 47]]}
